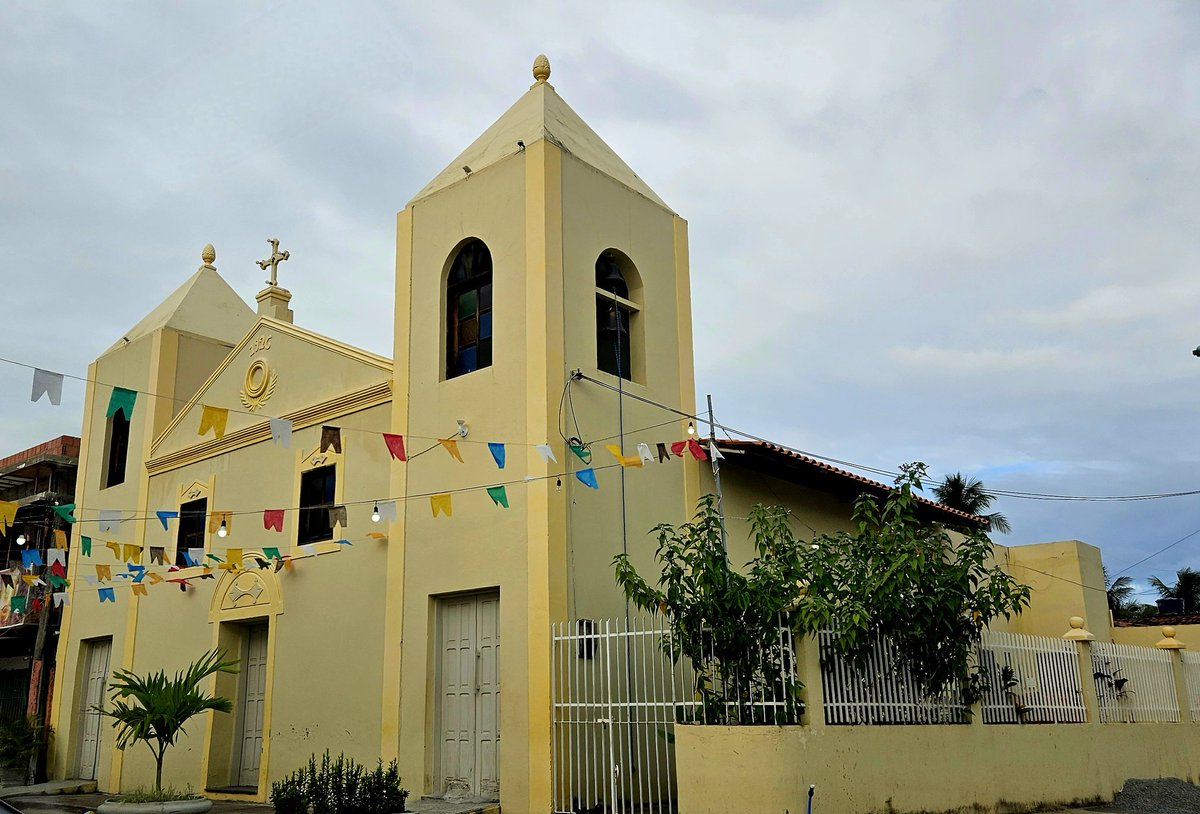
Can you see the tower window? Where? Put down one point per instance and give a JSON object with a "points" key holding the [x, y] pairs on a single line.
{"points": [[317, 489], [469, 310], [617, 313], [117, 449]]}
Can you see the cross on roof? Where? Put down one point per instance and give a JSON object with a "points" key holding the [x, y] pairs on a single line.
{"points": [[273, 261]]}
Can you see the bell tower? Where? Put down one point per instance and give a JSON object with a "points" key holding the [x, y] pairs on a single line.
{"points": [[537, 252]]}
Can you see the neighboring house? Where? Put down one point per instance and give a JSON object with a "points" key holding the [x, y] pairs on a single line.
{"points": [[220, 487], [31, 483]]}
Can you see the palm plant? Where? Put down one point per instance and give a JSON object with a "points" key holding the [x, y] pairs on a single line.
{"points": [[1186, 587], [1120, 598], [154, 708], [968, 495]]}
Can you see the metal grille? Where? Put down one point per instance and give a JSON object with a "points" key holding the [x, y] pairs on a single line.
{"points": [[1031, 680], [1191, 672], [882, 691], [1133, 684]]}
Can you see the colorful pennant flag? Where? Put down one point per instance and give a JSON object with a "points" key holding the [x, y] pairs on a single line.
{"points": [[713, 452], [61, 598], [139, 589], [677, 448], [47, 383], [497, 451], [85, 545], [387, 510], [194, 556], [546, 452], [451, 446], [309, 549], [235, 558], [588, 477], [273, 519], [337, 516], [56, 556], [498, 495], [331, 437], [65, 512], [624, 460], [131, 553], [696, 450], [17, 604], [110, 521], [582, 452], [58, 581], [103, 572], [441, 503], [8, 513], [215, 519], [115, 548], [271, 552], [58, 569], [7, 579], [215, 419], [395, 445], [644, 452], [29, 559], [157, 554], [164, 516], [60, 539], [343, 542], [281, 432], [123, 400]]}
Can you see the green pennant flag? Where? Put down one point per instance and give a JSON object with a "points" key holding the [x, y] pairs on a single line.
{"points": [[85, 545], [65, 512], [123, 400], [272, 554], [498, 495], [57, 581], [583, 452], [17, 604]]}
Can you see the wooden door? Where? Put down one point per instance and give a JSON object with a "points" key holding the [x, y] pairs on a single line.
{"points": [[469, 696], [254, 691], [95, 682]]}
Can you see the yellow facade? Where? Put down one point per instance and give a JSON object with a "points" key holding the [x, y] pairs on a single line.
{"points": [[357, 648]]}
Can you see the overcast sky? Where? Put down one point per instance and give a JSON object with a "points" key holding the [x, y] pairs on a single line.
{"points": [[964, 234]]}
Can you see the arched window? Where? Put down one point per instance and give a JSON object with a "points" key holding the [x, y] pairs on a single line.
{"points": [[469, 309], [617, 289]]}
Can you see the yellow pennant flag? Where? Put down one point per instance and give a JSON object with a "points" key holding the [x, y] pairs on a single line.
{"points": [[213, 418], [139, 588], [441, 503], [60, 538], [115, 548], [451, 445], [131, 553], [153, 577], [233, 559], [8, 513], [625, 460], [28, 578], [103, 572]]}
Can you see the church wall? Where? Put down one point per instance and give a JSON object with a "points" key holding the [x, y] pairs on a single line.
{"points": [[198, 358], [604, 214], [481, 546]]}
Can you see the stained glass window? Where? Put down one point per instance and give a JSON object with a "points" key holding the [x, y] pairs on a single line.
{"points": [[469, 310]]}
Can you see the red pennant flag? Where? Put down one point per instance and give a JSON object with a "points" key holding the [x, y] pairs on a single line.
{"points": [[273, 519], [678, 447], [58, 569], [395, 445], [696, 450]]}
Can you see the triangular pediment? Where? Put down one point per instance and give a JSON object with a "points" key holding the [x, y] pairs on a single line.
{"points": [[539, 114], [277, 370]]}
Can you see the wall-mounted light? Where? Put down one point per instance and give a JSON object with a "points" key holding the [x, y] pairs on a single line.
{"points": [[463, 429]]}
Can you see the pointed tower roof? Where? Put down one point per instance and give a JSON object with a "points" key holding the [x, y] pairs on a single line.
{"points": [[204, 305], [539, 114]]}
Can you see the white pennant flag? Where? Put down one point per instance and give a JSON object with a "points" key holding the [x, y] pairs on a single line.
{"points": [[647, 455], [387, 510], [47, 383], [309, 549], [281, 431], [714, 452], [54, 555], [110, 520], [61, 598], [546, 453]]}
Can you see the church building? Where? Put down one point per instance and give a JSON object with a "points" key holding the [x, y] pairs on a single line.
{"points": [[363, 540]]}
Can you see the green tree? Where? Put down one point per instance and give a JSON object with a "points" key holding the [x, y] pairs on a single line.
{"points": [[968, 495], [901, 577], [1186, 587], [154, 708], [726, 622]]}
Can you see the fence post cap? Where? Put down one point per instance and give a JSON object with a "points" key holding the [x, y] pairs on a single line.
{"points": [[1169, 642], [1077, 633]]}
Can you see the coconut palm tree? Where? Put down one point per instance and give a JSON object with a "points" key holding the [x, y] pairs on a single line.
{"points": [[1186, 587], [154, 708], [968, 495]]}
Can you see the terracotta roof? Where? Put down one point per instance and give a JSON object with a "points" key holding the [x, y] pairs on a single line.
{"points": [[64, 445], [794, 466], [1158, 621]]}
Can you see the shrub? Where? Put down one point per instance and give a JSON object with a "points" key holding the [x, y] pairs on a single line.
{"points": [[20, 740], [169, 794], [340, 786]]}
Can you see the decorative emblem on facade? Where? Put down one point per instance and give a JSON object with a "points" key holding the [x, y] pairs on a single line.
{"points": [[259, 385]]}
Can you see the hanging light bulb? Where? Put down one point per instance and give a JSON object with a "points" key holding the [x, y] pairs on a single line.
{"points": [[558, 484], [691, 428], [221, 532], [20, 539], [375, 514]]}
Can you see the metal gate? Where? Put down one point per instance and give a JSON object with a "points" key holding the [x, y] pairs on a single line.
{"points": [[617, 696]]}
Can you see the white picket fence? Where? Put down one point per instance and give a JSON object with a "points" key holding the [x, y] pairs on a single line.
{"points": [[882, 691], [1134, 684], [1191, 672], [1031, 680]]}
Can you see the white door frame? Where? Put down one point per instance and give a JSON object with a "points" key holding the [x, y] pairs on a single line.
{"points": [[91, 651]]}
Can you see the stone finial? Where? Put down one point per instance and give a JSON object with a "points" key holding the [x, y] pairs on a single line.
{"points": [[541, 68], [1169, 642], [208, 254], [1077, 633]]}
